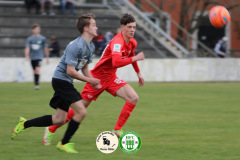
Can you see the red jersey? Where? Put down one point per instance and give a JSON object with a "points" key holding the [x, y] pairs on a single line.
{"points": [[99, 38], [117, 53]]}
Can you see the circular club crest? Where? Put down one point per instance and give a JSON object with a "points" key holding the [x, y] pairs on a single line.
{"points": [[107, 142], [130, 142]]}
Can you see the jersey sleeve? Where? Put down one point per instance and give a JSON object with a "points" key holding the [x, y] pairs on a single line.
{"points": [[117, 62], [27, 42], [72, 54], [91, 56], [134, 64], [45, 44], [90, 59], [116, 48]]}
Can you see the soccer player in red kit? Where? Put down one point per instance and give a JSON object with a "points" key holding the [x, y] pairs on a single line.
{"points": [[118, 53]]}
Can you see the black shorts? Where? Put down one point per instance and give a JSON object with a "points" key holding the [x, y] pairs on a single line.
{"points": [[36, 63], [65, 94]]}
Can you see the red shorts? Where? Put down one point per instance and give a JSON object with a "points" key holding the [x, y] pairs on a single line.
{"points": [[111, 86]]}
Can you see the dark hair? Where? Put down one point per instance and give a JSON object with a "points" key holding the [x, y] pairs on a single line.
{"points": [[35, 26], [53, 38], [127, 18], [83, 21]]}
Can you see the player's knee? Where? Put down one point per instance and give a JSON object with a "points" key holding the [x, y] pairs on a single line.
{"points": [[37, 70], [84, 113], [134, 98], [59, 121], [80, 115]]}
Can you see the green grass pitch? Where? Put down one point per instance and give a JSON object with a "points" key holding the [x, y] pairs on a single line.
{"points": [[176, 121]]}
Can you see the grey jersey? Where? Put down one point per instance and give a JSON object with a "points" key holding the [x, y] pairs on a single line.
{"points": [[37, 45], [77, 54]]}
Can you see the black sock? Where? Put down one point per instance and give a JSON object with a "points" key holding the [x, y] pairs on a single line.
{"points": [[43, 121], [72, 128], [36, 79]]}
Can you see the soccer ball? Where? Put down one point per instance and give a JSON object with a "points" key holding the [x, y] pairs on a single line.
{"points": [[219, 16]]}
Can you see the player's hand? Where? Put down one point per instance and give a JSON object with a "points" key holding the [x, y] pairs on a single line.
{"points": [[139, 56], [94, 82], [99, 86], [140, 79], [27, 58]]}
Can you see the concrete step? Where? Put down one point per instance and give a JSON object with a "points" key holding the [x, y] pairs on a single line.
{"points": [[28, 20], [20, 40], [16, 27], [84, 8], [46, 31]]}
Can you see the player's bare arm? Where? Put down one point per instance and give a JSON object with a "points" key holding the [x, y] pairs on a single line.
{"points": [[140, 56], [46, 51], [86, 73], [27, 52], [74, 74], [140, 79], [135, 66]]}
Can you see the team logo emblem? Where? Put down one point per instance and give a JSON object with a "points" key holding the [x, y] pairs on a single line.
{"points": [[117, 47], [35, 46], [107, 142], [130, 142]]}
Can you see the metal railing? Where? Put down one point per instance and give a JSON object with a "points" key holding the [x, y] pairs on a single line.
{"points": [[110, 3], [192, 44], [157, 35]]}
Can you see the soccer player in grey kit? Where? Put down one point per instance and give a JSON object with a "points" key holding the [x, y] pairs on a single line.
{"points": [[35, 48], [77, 55]]}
